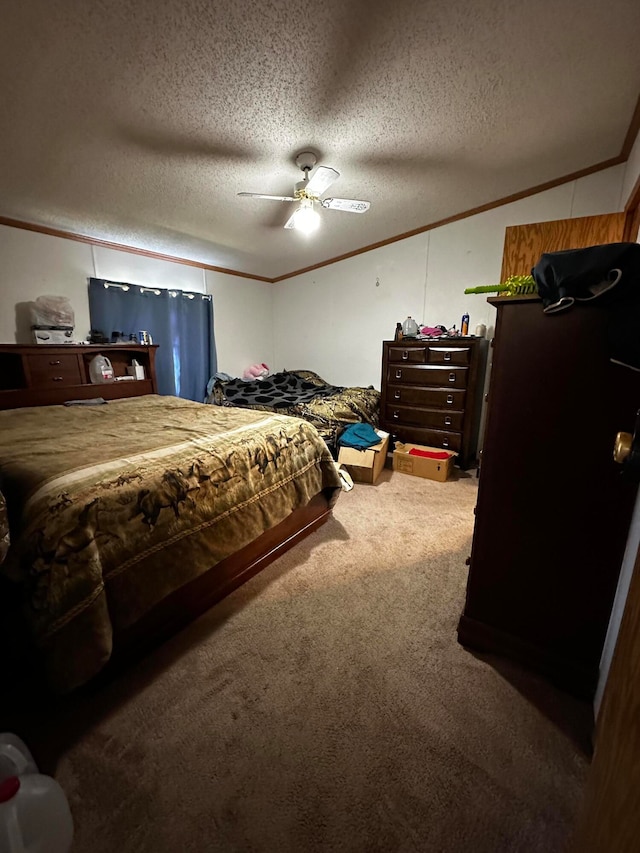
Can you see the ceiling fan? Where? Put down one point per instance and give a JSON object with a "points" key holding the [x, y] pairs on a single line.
{"points": [[307, 193]]}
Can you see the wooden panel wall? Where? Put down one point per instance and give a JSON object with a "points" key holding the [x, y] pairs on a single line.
{"points": [[523, 244]]}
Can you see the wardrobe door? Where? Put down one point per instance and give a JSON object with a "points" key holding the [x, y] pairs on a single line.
{"points": [[553, 510]]}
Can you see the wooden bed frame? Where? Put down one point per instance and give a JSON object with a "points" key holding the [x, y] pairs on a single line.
{"points": [[200, 594], [179, 608], [20, 664]]}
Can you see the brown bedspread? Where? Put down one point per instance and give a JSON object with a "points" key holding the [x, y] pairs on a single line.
{"points": [[113, 507]]}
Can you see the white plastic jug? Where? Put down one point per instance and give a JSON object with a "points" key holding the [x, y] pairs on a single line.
{"points": [[15, 758], [34, 815], [409, 328], [34, 812], [100, 369]]}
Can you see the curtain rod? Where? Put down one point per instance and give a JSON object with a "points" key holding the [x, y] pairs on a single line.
{"points": [[155, 290], [188, 294], [108, 284]]}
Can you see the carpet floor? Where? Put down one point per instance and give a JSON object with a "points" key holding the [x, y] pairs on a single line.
{"points": [[326, 706]]}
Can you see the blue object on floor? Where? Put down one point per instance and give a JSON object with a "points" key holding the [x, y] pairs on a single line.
{"points": [[359, 436]]}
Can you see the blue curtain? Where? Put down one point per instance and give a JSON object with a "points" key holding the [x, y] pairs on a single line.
{"points": [[180, 323]]}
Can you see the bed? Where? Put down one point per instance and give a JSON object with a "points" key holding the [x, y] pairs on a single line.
{"points": [[303, 394], [124, 517]]}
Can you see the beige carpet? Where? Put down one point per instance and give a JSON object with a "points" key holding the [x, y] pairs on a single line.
{"points": [[326, 706]]}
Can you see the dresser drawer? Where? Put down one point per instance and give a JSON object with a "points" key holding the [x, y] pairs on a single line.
{"points": [[428, 374], [434, 418], [432, 437], [449, 355], [438, 398], [47, 370], [408, 354]]}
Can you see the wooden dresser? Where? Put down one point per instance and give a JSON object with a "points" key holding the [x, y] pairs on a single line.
{"points": [[46, 374], [432, 393], [553, 508]]}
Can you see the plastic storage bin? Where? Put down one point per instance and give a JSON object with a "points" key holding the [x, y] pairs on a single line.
{"points": [[34, 812]]}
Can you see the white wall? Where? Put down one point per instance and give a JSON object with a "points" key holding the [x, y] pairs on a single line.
{"points": [[243, 311], [151, 272], [36, 264], [333, 320]]}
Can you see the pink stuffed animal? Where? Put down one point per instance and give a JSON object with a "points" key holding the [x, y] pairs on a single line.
{"points": [[256, 371]]}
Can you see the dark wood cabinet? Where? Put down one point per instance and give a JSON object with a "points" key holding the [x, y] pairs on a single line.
{"points": [[553, 507], [46, 374], [432, 393]]}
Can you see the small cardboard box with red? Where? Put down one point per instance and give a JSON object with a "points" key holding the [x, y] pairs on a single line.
{"points": [[433, 463]]}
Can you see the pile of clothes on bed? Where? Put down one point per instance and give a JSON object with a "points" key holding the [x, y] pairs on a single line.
{"points": [[302, 394]]}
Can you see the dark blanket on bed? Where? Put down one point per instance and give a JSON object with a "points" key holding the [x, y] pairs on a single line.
{"points": [[303, 394], [278, 391]]}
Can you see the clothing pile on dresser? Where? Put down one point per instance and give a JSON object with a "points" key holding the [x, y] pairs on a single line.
{"points": [[608, 274]]}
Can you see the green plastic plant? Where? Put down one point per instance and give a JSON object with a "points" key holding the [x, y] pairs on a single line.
{"points": [[515, 285]]}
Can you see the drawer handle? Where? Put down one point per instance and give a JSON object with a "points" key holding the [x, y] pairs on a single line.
{"points": [[396, 414], [445, 442], [452, 377], [398, 374], [447, 356], [449, 399], [53, 363], [396, 395], [405, 355], [56, 378], [447, 420]]}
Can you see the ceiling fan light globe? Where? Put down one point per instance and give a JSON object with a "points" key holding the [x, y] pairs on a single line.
{"points": [[307, 220]]}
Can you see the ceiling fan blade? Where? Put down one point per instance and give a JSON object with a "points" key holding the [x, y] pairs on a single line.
{"points": [[350, 205], [270, 197], [291, 221], [321, 180]]}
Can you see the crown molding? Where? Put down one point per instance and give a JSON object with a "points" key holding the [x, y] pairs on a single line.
{"points": [[121, 247], [632, 132]]}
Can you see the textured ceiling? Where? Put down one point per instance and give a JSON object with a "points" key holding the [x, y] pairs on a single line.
{"points": [[138, 121]]}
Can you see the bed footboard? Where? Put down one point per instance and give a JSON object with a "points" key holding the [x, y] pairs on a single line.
{"points": [[199, 595]]}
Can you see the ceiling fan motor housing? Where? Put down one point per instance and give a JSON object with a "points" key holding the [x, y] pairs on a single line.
{"points": [[306, 160]]}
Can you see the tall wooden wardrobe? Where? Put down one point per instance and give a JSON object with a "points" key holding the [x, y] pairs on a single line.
{"points": [[553, 507]]}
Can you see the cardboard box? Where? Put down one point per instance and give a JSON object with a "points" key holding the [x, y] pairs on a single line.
{"points": [[365, 466], [421, 466]]}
